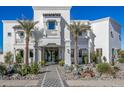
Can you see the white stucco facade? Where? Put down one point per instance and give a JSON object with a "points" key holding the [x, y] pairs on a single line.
{"points": [[57, 42]]}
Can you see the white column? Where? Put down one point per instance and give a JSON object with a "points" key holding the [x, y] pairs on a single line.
{"points": [[34, 55], [39, 55], [67, 47], [60, 53], [67, 53], [89, 47]]}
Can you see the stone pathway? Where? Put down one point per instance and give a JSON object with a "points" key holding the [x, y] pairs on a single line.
{"points": [[52, 77]]}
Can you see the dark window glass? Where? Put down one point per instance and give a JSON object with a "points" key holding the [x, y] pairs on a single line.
{"points": [[112, 35], [9, 34], [21, 34], [80, 52], [80, 33], [72, 52], [51, 25], [119, 37], [21, 52], [31, 53]]}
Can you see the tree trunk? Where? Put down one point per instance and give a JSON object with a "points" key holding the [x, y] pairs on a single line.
{"points": [[75, 51], [36, 51], [27, 49]]}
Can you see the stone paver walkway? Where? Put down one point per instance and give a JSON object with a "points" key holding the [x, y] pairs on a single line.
{"points": [[52, 77]]}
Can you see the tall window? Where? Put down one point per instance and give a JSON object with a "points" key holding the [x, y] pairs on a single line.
{"points": [[112, 34], [31, 53], [80, 52], [72, 52], [51, 25], [21, 34], [119, 37]]}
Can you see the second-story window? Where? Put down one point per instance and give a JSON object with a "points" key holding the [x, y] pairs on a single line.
{"points": [[21, 34], [119, 37], [112, 34], [9, 34], [51, 25]]}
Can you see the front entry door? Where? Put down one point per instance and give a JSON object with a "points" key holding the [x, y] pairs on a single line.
{"points": [[51, 55]]}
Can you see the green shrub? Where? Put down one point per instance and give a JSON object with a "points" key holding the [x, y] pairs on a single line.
{"points": [[86, 59], [3, 69], [42, 63], [8, 58], [24, 70], [34, 68], [93, 56], [121, 60], [61, 63], [16, 68], [104, 68], [19, 58]]}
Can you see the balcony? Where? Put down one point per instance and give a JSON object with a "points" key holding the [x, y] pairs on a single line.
{"points": [[51, 33]]}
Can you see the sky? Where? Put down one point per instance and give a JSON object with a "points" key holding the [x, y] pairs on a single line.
{"points": [[77, 12]]}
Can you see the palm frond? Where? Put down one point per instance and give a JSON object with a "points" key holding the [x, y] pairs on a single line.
{"points": [[27, 25]]}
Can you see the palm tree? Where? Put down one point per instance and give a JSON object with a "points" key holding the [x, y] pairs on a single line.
{"points": [[27, 26], [75, 28], [37, 35]]}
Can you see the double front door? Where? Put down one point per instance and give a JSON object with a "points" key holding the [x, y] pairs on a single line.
{"points": [[51, 55]]}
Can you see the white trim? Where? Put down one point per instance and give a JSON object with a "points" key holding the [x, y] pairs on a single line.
{"points": [[51, 7], [9, 21]]}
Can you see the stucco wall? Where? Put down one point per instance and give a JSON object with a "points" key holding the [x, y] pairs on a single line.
{"points": [[101, 30]]}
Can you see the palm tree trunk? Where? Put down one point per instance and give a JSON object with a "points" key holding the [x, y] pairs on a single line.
{"points": [[75, 51], [27, 49], [36, 51]]}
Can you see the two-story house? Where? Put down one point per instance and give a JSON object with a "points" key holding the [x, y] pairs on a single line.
{"points": [[57, 42]]}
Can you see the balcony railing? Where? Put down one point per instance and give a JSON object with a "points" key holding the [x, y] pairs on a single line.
{"points": [[19, 40], [22, 41]]}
